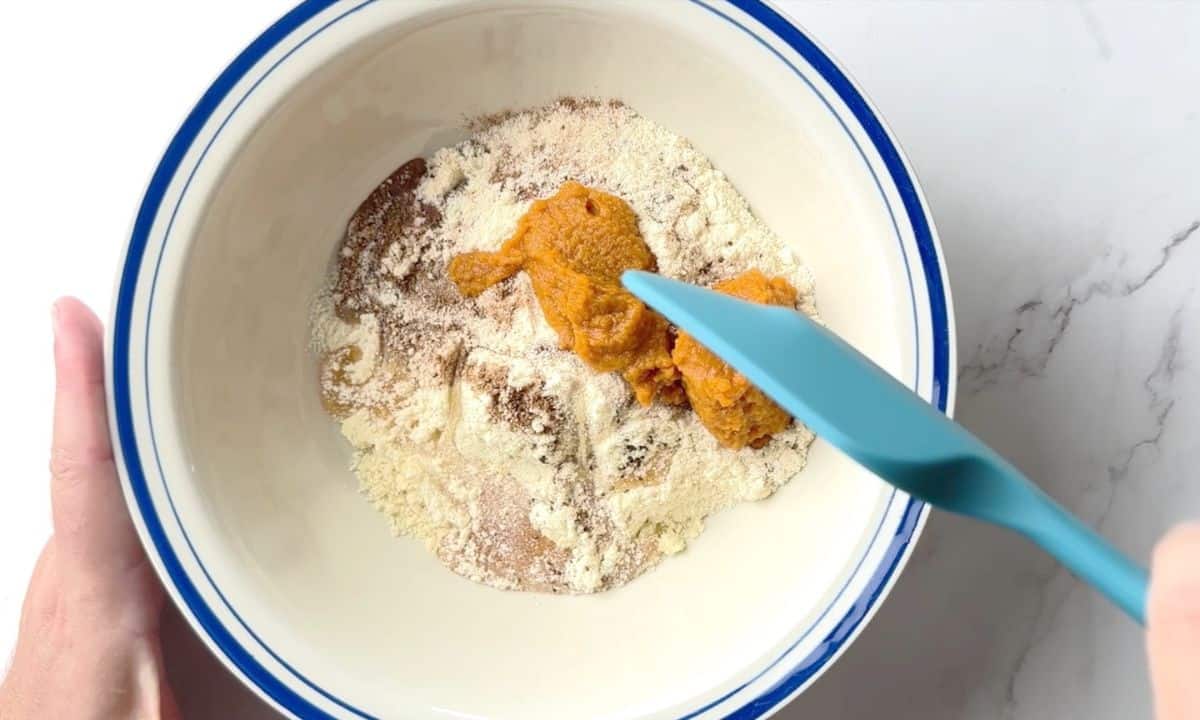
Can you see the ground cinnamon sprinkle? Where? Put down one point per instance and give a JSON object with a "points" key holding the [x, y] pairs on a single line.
{"points": [[514, 461]]}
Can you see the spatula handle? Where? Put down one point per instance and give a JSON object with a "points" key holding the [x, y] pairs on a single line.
{"points": [[1089, 557]]}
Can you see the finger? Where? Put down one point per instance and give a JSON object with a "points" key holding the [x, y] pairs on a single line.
{"points": [[41, 594], [1173, 624], [93, 533]]}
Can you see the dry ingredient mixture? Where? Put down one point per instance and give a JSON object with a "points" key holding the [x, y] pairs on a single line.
{"points": [[520, 463]]}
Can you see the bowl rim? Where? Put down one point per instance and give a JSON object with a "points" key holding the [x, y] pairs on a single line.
{"points": [[121, 407]]}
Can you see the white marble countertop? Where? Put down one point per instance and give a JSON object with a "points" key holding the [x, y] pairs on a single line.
{"points": [[1059, 147]]}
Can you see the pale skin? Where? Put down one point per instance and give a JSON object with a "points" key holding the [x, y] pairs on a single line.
{"points": [[89, 643]]}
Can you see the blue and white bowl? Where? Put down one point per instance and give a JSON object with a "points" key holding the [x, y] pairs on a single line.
{"points": [[238, 481]]}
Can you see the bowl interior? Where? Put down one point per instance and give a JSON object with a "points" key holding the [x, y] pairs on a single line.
{"points": [[259, 474]]}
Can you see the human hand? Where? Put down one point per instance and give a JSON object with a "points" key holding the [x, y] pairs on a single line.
{"points": [[88, 645], [1173, 624]]}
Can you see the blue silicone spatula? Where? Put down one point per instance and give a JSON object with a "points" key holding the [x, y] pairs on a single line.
{"points": [[862, 410]]}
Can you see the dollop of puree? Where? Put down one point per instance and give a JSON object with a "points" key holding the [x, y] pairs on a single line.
{"points": [[574, 246], [733, 410]]}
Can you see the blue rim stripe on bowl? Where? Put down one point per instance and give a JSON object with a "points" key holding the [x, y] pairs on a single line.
{"points": [[166, 171]]}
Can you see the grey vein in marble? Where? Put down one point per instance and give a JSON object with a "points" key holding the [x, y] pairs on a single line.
{"points": [[1157, 385], [1038, 325]]}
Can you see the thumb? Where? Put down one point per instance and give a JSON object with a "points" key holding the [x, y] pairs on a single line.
{"points": [[1173, 624], [94, 538]]}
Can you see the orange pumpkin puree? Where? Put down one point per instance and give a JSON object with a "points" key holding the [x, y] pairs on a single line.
{"points": [[733, 410], [574, 246]]}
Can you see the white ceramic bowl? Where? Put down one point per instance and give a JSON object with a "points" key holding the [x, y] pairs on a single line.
{"points": [[238, 481]]}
